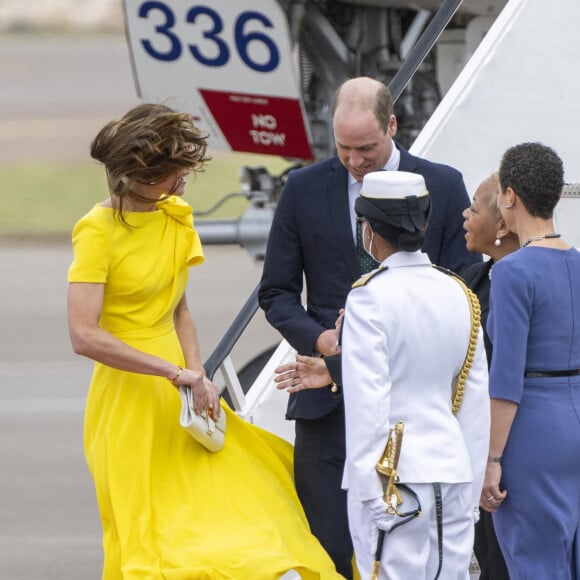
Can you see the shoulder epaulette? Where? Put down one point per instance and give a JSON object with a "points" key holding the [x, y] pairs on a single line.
{"points": [[448, 272], [445, 270], [364, 280]]}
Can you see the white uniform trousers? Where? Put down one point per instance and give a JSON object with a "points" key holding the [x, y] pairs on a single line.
{"points": [[411, 551]]}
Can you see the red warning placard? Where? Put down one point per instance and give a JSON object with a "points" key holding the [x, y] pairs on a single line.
{"points": [[259, 123]]}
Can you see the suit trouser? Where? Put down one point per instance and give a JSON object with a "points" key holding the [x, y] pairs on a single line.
{"points": [[411, 551], [319, 455], [487, 550]]}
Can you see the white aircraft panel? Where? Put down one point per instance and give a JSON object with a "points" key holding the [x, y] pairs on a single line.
{"points": [[521, 84]]}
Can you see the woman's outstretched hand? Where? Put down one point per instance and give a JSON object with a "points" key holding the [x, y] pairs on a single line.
{"points": [[307, 372]]}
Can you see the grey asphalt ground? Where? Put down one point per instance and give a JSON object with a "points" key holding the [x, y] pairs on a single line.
{"points": [[56, 92]]}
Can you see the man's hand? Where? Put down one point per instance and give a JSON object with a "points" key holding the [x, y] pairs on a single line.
{"points": [[327, 342], [307, 372]]}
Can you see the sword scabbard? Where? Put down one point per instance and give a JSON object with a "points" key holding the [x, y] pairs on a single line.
{"points": [[388, 464]]}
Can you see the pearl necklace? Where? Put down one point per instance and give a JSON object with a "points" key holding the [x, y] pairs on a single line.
{"points": [[540, 237]]}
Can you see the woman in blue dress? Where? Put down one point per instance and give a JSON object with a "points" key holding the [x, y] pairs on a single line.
{"points": [[532, 482]]}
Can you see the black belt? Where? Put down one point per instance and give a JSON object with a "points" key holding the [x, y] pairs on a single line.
{"points": [[537, 374]]}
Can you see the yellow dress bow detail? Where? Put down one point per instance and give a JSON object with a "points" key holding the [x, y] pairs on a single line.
{"points": [[178, 209], [182, 213]]}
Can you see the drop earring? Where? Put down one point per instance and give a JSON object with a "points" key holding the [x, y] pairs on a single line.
{"points": [[497, 242]]}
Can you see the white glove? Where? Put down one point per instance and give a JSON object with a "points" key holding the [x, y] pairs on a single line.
{"points": [[376, 511]]}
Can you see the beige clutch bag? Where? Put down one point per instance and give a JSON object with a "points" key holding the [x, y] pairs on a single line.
{"points": [[210, 433]]}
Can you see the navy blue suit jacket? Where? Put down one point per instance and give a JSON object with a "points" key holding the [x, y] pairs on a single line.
{"points": [[311, 239]]}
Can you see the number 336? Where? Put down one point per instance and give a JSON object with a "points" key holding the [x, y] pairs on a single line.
{"points": [[217, 52]]}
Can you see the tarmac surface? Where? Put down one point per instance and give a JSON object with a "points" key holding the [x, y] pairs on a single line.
{"points": [[58, 91]]}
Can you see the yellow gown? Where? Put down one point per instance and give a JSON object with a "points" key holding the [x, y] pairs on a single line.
{"points": [[169, 508]]}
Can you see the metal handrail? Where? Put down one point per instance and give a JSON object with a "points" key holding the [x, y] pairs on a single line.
{"points": [[422, 47], [232, 335]]}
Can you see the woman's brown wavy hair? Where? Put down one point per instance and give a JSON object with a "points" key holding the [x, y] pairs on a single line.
{"points": [[147, 144]]}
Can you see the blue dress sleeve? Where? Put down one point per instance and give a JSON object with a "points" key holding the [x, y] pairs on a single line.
{"points": [[508, 326]]}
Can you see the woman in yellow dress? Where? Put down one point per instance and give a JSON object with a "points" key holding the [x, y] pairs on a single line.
{"points": [[169, 508]]}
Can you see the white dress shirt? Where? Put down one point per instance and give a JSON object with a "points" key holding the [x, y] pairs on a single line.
{"points": [[354, 186]]}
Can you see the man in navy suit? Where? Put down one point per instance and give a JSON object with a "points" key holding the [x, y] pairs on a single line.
{"points": [[313, 238]]}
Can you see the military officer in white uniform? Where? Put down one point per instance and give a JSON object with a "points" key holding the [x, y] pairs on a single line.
{"points": [[405, 339]]}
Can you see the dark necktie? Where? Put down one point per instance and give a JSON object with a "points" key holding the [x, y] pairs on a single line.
{"points": [[364, 259]]}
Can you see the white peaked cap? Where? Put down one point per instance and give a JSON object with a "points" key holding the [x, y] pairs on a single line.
{"points": [[392, 185]]}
